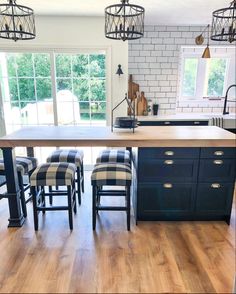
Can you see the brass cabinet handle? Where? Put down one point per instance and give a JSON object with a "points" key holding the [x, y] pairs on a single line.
{"points": [[169, 162], [218, 162], [197, 123], [168, 185], [219, 153], [169, 153], [167, 123], [215, 186]]}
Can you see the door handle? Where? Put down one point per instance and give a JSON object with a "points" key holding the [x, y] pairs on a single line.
{"points": [[168, 162], [218, 162], [219, 153], [168, 185], [167, 123], [215, 186], [169, 153]]}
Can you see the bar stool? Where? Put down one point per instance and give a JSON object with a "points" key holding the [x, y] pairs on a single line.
{"points": [[111, 174], [114, 155], [24, 166], [53, 174], [71, 156]]}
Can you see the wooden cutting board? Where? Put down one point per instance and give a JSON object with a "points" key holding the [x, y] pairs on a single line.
{"points": [[141, 104]]}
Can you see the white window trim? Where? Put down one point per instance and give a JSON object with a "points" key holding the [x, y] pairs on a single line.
{"points": [[189, 51]]}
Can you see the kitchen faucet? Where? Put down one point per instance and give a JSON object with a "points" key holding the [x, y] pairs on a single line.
{"points": [[226, 97]]}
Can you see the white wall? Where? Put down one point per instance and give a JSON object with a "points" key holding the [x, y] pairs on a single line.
{"points": [[154, 62], [82, 33]]}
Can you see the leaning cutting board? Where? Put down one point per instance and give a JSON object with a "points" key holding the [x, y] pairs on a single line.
{"points": [[133, 88], [141, 104]]}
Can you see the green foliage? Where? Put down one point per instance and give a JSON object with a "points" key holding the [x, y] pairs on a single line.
{"points": [[190, 74], [29, 76], [217, 68]]}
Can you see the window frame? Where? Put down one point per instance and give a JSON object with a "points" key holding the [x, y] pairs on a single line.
{"points": [[196, 52]]}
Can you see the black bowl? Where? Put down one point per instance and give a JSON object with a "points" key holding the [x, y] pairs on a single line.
{"points": [[126, 122]]}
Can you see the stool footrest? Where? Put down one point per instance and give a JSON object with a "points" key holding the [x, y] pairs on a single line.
{"points": [[111, 193], [112, 208], [41, 208]]}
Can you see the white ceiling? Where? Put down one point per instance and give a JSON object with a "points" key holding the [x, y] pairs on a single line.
{"points": [[168, 12]]}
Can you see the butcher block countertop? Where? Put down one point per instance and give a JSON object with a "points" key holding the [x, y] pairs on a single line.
{"points": [[153, 136]]}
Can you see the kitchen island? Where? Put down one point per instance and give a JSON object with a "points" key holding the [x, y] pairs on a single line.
{"points": [[197, 137]]}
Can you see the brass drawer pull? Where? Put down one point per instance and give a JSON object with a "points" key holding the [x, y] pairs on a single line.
{"points": [[169, 153], [215, 186], [218, 162], [168, 185], [169, 162], [218, 153], [167, 123], [197, 123]]}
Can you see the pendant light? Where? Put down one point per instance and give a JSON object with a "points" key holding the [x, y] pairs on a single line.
{"points": [[224, 24], [124, 21], [16, 21], [200, 39]]}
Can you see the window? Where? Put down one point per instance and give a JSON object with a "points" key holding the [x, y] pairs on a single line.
{"points": [[206, 78], [29, 79]]}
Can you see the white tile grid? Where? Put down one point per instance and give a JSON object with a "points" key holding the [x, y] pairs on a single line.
{"points": [[154, 63]]}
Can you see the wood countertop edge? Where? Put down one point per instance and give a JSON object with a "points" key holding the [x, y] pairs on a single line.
{"points": [[118, 143]]}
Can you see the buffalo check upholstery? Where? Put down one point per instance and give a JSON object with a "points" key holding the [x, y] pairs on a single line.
{"points": [[118, 174], [71, 156], [23, 164], [53, 174], [114, 155]]}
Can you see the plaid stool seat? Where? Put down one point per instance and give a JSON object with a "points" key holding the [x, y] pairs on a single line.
{"points": [[111, 174], [24, 166], [53, 174], [71, 156], [113, 155]]}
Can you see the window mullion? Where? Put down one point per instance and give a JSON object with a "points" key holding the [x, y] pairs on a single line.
{"points": [[54, 87]]}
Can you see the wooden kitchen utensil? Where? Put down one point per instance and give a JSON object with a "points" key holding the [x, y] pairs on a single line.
{"points": [[133, 88]]}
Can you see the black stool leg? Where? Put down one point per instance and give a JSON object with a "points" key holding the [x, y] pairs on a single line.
{"points": [[69, 195], [128, 207], [50, 196], [94, 207], [34, 196], [74, 197], [82, 176], [22, 194], [78, 185]]}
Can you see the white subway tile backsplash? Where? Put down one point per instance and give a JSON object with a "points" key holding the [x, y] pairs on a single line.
{"points": [[154, 63]]}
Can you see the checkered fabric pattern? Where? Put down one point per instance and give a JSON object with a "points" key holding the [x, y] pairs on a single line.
{"points": [[23, 164], [53, 174], [114, 155], [111, 174], [71, 156]]}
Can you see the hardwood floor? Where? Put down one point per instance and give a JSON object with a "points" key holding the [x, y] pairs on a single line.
{"points": [[155, 257]]}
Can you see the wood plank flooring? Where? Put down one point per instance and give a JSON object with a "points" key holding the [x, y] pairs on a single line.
{"points": [[155, 257]]}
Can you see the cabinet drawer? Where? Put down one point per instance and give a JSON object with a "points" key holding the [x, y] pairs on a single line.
{"points": [[162, 170], [214, 197], [222, 170], [173, 123], [218, 153], [171, 152], [166, 197]]}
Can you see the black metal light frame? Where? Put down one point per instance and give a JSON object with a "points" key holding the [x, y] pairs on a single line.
{"points": [[224, 24], [16, 22], [124, 21]]}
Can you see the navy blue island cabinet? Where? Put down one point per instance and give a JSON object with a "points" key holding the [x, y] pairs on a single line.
{"points": [[183, 183]]}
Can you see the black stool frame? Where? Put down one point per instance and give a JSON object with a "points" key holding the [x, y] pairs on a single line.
{"points": [[96, 206], [39, 202]]}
